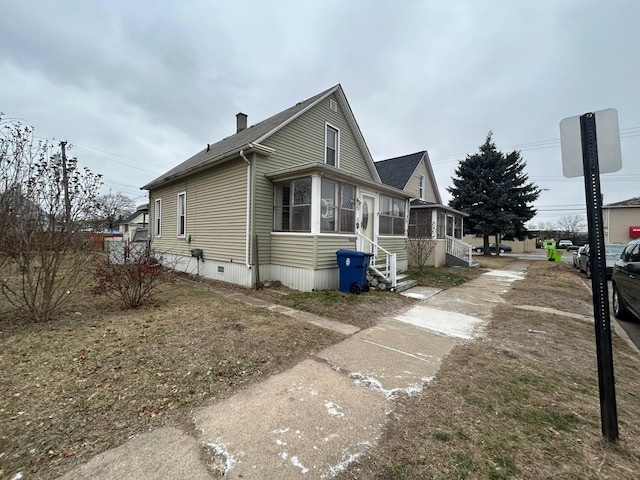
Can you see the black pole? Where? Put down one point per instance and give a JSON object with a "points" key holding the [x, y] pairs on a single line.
{"points": [[598, 265]]}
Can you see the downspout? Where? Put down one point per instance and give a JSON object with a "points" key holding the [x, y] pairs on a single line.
{"points": [[248, 236]]}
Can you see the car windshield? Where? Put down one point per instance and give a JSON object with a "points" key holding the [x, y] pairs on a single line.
{"points": [[613, 250]]}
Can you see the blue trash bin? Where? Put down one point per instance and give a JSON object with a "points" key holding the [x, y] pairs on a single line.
{"points": [[353, 270]]}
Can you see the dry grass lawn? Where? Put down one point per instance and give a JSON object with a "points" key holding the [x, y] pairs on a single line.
{"points": [[93, 378], [521, 403]]}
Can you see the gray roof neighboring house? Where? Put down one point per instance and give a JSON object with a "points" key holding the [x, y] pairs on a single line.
{"points": [[397, 171], [249, 139]]}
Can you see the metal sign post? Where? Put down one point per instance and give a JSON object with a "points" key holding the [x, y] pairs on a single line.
{"points": [[598, 261], [588, 151]]}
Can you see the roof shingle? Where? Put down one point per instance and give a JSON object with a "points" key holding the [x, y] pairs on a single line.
{"points": [[397, 171], [236, 142]]}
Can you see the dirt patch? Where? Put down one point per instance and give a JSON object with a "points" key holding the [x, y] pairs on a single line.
{"points": [[522, 402]]}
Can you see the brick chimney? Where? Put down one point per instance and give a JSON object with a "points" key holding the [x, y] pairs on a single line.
{"points": [[241, 122]]}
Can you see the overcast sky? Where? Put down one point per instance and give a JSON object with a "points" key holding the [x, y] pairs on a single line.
{"points": [[140, 86]]}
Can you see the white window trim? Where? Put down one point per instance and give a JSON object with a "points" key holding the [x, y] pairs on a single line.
{"points": [[421, 187], [327, 125], [157, 218], [183, 234]]}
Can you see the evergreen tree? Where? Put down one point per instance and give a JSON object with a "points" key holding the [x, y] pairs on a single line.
{"points": [[494, 190]]}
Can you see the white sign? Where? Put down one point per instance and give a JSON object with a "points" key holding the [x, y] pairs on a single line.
{"points": [[607, 138]]}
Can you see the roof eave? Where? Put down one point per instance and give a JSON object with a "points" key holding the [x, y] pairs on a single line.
{"points": [[204, 165], [311, 168]]}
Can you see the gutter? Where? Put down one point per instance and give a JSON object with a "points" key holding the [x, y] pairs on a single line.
{"points": [[248, 213]]}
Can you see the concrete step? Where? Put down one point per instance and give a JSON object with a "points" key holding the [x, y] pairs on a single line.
{"points": [[403, 285]]}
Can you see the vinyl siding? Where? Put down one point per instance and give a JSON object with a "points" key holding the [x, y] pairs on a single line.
{"points": [[292, 250], [413, 185], [327, 246], [397, 245], [216, 213], [303, 141]]}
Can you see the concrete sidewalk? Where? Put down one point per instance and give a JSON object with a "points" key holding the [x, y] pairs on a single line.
{"points": [[316, 418]]}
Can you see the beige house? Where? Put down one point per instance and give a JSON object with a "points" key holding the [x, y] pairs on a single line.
{"points": [[277, 199], [621, 221], [428, 217]]}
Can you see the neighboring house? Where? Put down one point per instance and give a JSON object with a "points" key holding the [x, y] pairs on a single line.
{"points": [[621, 220], [135, 225], [428, 217], [276, 200]]}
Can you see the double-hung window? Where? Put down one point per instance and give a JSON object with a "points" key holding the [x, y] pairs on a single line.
{"points": [[421, 187], [292, 205], [392, 215], [337, 207], [157, 215], [332, 144], [182, 214]]}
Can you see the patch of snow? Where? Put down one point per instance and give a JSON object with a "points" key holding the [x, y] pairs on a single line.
{"points": [[505, 275], [374, 384], [221, 449], [281, 430], [342, 466], [333, 409], [284, 455], [296, 463], [17, 476], [451, 324], [280, 442], [313, 393], [417, 296]]}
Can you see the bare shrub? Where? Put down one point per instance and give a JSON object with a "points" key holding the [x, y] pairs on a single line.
{"points": [[135, 280], [421, 244]]}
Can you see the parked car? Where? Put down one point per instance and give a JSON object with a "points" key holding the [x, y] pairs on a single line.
{"points": [[612, 253], [492, 248], [565, 244], [626, 282], [576, 257]]}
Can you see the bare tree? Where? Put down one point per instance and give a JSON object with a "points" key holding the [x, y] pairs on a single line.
{"points": [[111, 209], [421, 244], [572, 224], [42, 198]]}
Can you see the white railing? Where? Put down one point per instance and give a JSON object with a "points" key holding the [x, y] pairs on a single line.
{"points": [[389, 270], [459, 249]]}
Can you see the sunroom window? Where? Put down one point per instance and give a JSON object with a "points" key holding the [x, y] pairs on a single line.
{"points": [[337, 207], [392, 215], [420, 224], [292, 205]]}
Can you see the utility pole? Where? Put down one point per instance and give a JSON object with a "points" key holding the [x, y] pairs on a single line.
{"points": [[65, 184]]}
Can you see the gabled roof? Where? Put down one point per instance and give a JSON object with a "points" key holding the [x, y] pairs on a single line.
{"points": [[250, 138], [632, 202], [397, 171], [133, 216]]}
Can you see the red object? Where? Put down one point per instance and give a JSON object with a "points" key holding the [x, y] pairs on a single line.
{"points": [[634, 232]]}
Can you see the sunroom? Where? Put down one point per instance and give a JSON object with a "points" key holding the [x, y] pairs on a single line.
{"points": [[319, 209]]}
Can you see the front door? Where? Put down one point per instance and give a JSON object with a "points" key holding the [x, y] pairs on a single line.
{"points": [[367, 223]]}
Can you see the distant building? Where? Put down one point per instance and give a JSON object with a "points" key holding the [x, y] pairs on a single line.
{"points": [[621, 220]]}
